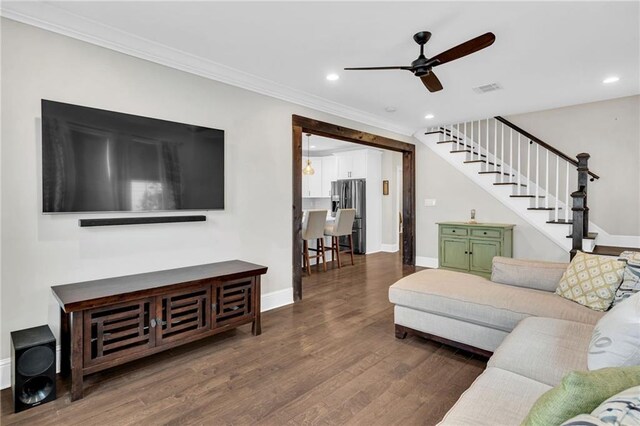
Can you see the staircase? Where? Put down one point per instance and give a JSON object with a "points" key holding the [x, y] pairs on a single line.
{"points": [[543, 185]]}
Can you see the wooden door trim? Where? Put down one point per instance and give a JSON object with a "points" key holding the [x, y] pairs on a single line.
{"points": [[302, 125]]}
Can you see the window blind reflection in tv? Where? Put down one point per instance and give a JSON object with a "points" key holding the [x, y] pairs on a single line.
{"points": [[102, 161]]}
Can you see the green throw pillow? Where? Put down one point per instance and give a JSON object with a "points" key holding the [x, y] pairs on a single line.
{"points": [[580, 392]]}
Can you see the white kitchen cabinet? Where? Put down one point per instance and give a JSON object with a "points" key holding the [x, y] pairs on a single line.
{"points": [[329, 174], [312, 184], [352, 164]]}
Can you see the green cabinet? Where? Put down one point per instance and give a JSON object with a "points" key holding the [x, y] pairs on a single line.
{"points": [[471, 248]]}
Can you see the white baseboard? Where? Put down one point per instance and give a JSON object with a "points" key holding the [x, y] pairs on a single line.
{"points": [[268, 301], [427, 262], [5, 372], [391, 248], [275, 299]]}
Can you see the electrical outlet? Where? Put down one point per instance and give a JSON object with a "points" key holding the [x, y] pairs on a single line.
{"points": [[429, 202]]}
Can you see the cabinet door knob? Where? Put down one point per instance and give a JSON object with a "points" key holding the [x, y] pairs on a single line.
{"points": [[470, 252], [466, 252], [485, 233], [453, 230]]}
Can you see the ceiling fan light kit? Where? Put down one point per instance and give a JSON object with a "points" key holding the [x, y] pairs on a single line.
{"points": [[422, 67]]}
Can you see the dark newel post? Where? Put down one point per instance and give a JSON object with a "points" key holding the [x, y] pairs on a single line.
{"points": [[577, 234], [583, 179]]}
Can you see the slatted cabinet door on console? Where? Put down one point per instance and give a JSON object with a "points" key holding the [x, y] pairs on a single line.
{"points": [[234, 302], [118, 330], [108, 322], [183, 314]]}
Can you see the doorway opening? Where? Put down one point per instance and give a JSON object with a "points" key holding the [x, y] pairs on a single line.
{"points": [[302, 129]]}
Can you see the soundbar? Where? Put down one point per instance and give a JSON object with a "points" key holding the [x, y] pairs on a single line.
{"points": [[140, 220]]}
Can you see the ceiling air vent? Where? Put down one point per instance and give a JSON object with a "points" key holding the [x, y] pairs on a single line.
{"points": [[487, 88]]}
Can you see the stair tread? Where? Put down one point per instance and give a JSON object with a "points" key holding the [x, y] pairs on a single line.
{"points": [[612, 250], [590, 236], [481, 161], [510, 183], [459, 150], [449, 141], [525, 196], [496, 172], [544, 208], [561, 222]]}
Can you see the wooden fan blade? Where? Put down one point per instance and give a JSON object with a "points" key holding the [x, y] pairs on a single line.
{"points": [[377, 68], [464, 49], [431, 82]]}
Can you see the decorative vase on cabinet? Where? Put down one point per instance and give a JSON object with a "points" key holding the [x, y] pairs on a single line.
{"points": [[467, 247]]}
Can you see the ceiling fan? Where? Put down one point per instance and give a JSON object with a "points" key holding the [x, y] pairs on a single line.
{"points": [[422, 66]]}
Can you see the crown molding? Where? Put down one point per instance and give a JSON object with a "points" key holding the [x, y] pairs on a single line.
{"points": [[51, 18]]}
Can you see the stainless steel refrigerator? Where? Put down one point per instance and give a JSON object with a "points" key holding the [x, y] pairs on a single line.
{"points": [[351, 194]]}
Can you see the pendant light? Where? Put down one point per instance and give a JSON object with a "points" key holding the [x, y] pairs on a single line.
{"points": [[308, 170]]}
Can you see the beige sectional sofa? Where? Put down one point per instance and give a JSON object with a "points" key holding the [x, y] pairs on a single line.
{"points": [[534, 336]]}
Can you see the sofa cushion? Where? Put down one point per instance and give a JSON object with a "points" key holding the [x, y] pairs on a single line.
{"points": [[527, 273], [591, 280], [544, 349], [496, 397], [475, 299]]}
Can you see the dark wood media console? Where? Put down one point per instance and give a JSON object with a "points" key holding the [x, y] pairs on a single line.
{"points": [[107, 322]]}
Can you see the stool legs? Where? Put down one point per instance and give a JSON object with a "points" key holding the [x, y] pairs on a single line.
{"points": [[351, 247], [322, 252], [336, 245]]}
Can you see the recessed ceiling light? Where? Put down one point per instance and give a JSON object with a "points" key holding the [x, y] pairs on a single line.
{"points": [[429, 116], [332, 77], [611, 79], [390, 109]]}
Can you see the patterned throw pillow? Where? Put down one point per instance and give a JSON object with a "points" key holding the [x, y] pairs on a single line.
{"points": [[631, 279], [620, 409], [591, 280]]}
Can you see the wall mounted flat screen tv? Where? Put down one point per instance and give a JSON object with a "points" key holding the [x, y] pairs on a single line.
{"points": [[102, 161]]}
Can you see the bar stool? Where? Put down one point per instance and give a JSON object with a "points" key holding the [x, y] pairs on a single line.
{"points": [[343, 226], [313, 229]]}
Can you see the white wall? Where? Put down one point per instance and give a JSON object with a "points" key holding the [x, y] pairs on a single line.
{"points": [[39, 251], [390, 161], [610, 132]]}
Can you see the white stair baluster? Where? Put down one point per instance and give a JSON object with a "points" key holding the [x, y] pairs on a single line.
{"points": [[502, 152], [568, 204], [528, 179], [519, 165], [546, 182], [557, 187], [495, 145], [465, 135], [510, 154], [537, 175], [479, 142], [486, 151]]}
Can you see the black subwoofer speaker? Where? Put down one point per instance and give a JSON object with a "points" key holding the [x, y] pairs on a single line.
{"points": [[33, 374]]}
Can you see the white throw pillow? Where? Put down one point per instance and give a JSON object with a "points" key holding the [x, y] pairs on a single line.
{"points": [[616, 336]]}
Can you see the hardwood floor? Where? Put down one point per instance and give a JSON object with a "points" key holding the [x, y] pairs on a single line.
{"points": [[330, 359]]}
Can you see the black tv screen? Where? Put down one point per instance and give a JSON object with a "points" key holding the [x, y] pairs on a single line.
{"points": [[102, 161]]}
